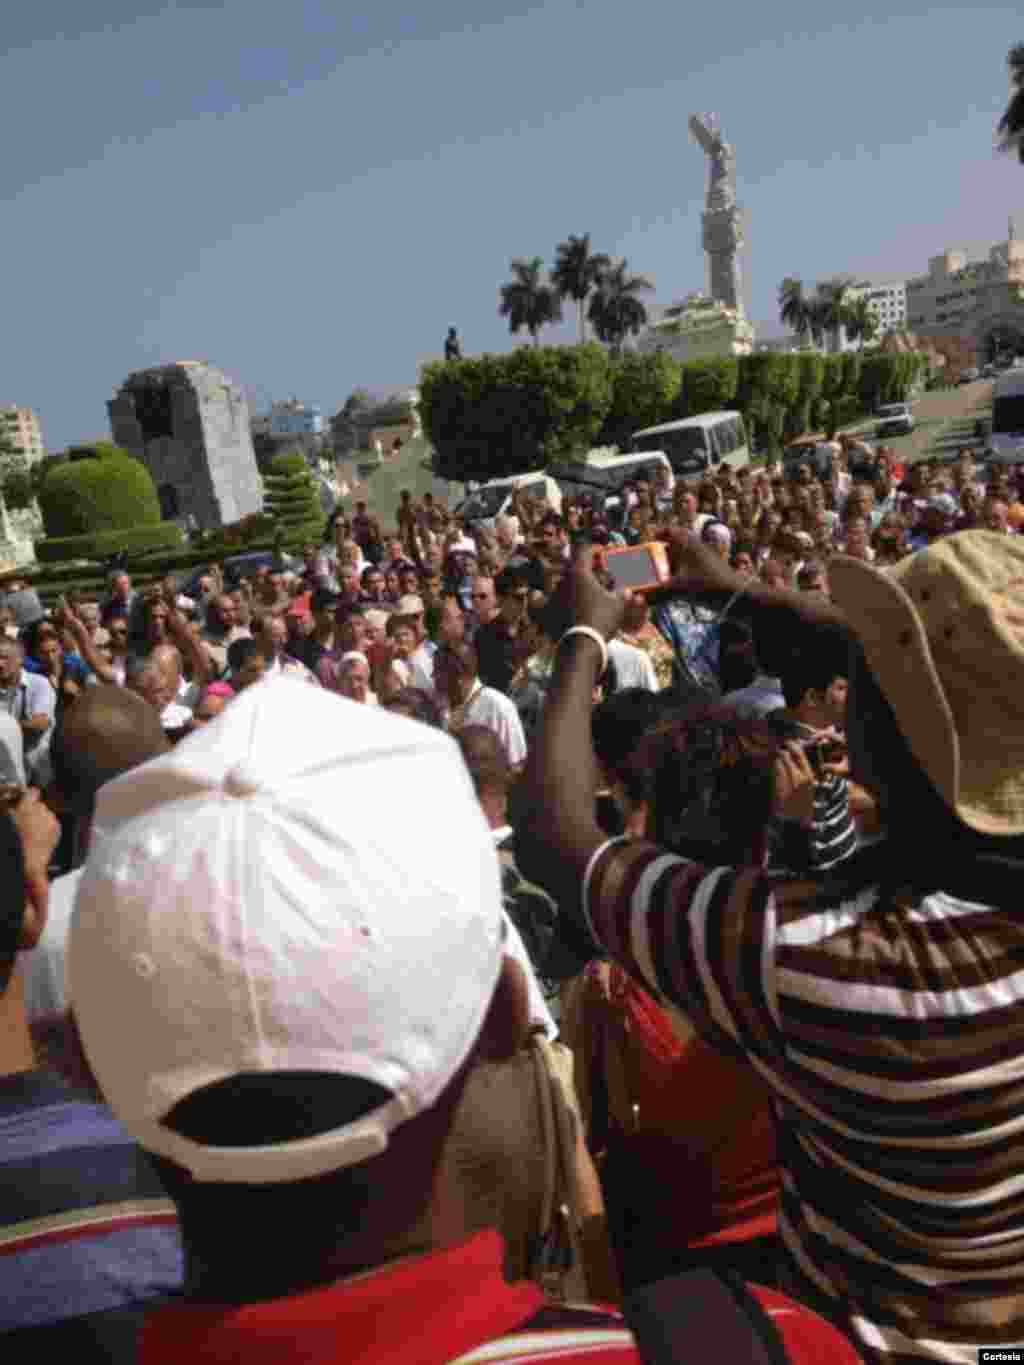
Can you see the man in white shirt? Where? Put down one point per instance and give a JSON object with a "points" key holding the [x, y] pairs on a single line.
{"points": [[524, 903], [12, 751], [30, 701], [108, 731], [456, 679], [633, 668]]}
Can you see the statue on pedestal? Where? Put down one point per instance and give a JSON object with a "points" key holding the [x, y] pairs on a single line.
{"points": [[722, 224]]}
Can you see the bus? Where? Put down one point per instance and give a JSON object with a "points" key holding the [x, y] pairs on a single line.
{"points": [[698, 444], [1006, 440]]}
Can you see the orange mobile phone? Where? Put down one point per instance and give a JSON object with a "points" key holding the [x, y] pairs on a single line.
{"points": [[641, 568]]}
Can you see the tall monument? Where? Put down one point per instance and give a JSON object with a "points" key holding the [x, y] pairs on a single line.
{"points": [[722, 221], [715, 323]]}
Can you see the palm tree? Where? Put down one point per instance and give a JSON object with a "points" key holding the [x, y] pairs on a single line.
{"points": [[861, 323], [836, 306], [577, 270], [1011, 126], [794, 306], [528, 300], [615, 311]]}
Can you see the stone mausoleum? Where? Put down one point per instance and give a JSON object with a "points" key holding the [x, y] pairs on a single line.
{"points": [[189, 423]]}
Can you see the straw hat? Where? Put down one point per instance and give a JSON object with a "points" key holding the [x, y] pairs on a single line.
{"points": [[943, 633]]}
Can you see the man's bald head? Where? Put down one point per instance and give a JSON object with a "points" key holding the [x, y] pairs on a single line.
{"points": [[107, 732]]}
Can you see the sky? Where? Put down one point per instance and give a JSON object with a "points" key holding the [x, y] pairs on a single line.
{"points": [[308, 195]]}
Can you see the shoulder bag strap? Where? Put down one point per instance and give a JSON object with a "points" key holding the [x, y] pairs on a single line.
{"points": [[700, 1315]]}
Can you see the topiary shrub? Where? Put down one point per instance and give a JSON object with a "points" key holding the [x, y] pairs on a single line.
{"points": [[291, 500], [164, 535], [97, 488]]}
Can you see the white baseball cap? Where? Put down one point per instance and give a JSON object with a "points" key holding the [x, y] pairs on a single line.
{"points": [[303, 885]]}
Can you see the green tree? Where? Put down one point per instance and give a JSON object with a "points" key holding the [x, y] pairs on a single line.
{"points": [[836, 304], [577, 270], [861, 323], [528, 300], [708, 385], [795, 306], [496, 415], [797, 419], [41, 468], [644, 389], [17, 489], [851, 374], [1010, 132], [818, 312], [615, 310], [774, 423], [291, 498], [832, 381], [97, 488], [15, 483], [812, 376], [874, 376]]}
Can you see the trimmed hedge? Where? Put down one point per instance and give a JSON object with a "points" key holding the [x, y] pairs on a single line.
{"points": [[507, 414], [98, 488], [100, 545]]}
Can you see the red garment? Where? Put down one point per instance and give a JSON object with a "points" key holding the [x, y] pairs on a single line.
{"points": [[449, 1308], [704, 1131], [426, 1311]]}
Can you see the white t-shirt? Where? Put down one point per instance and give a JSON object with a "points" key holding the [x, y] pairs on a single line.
{"points": [[421, 666], [633, 667], [12, 750], [42, 967], [491, 708]]}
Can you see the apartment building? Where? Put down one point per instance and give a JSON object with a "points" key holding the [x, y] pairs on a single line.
{"points": [[21, 428], [981, 299]]}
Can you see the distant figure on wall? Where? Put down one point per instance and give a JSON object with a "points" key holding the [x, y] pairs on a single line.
{"points": [[452, 345]]}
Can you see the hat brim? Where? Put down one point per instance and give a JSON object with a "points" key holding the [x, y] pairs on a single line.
{"points": [[896, 647]]}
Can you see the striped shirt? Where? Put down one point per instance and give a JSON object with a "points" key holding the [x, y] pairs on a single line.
{"points": [[832, 836], [88, 1239], [888, 1031]]}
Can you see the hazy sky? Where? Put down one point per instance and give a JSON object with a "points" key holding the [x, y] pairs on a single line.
{"points": [[307, 195]]}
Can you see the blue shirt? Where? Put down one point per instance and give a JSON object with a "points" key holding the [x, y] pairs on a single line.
{"points": [[89, 1239]]}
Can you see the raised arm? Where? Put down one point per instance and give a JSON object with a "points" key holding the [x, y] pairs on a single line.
{"points": [[192, 651], [87, 647]]}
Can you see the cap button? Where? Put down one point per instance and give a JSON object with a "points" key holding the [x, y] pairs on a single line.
{"points": [[242, 781]]}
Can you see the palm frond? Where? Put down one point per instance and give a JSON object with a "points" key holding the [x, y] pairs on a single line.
{"points": [[1010, 133]]}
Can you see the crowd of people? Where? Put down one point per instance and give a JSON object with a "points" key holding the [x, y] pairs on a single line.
{"points": [[650, 951]]}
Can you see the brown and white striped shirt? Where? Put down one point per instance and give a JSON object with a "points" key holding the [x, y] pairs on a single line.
{"points": [[891, 1034]]}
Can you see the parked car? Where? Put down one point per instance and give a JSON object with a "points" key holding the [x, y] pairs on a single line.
{"points": [[894, 419], [970, 375], [237, 567]]}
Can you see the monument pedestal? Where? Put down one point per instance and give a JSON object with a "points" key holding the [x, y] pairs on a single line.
{"points": [[697, 328]]}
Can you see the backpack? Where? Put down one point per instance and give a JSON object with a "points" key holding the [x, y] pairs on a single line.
{"points": [[702, 1315]]}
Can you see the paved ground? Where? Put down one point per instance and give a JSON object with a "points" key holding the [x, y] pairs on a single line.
{"points": [[945, 422]]}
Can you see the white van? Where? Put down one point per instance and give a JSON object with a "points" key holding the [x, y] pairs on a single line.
{"points": [[494, 499], [1006, 441], [698, 444]]}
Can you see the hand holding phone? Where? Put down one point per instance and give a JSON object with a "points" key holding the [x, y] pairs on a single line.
{"points": [[825, 752]]}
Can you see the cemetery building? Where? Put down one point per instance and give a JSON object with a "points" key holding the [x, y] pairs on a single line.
{"points": [[189, 424]]}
